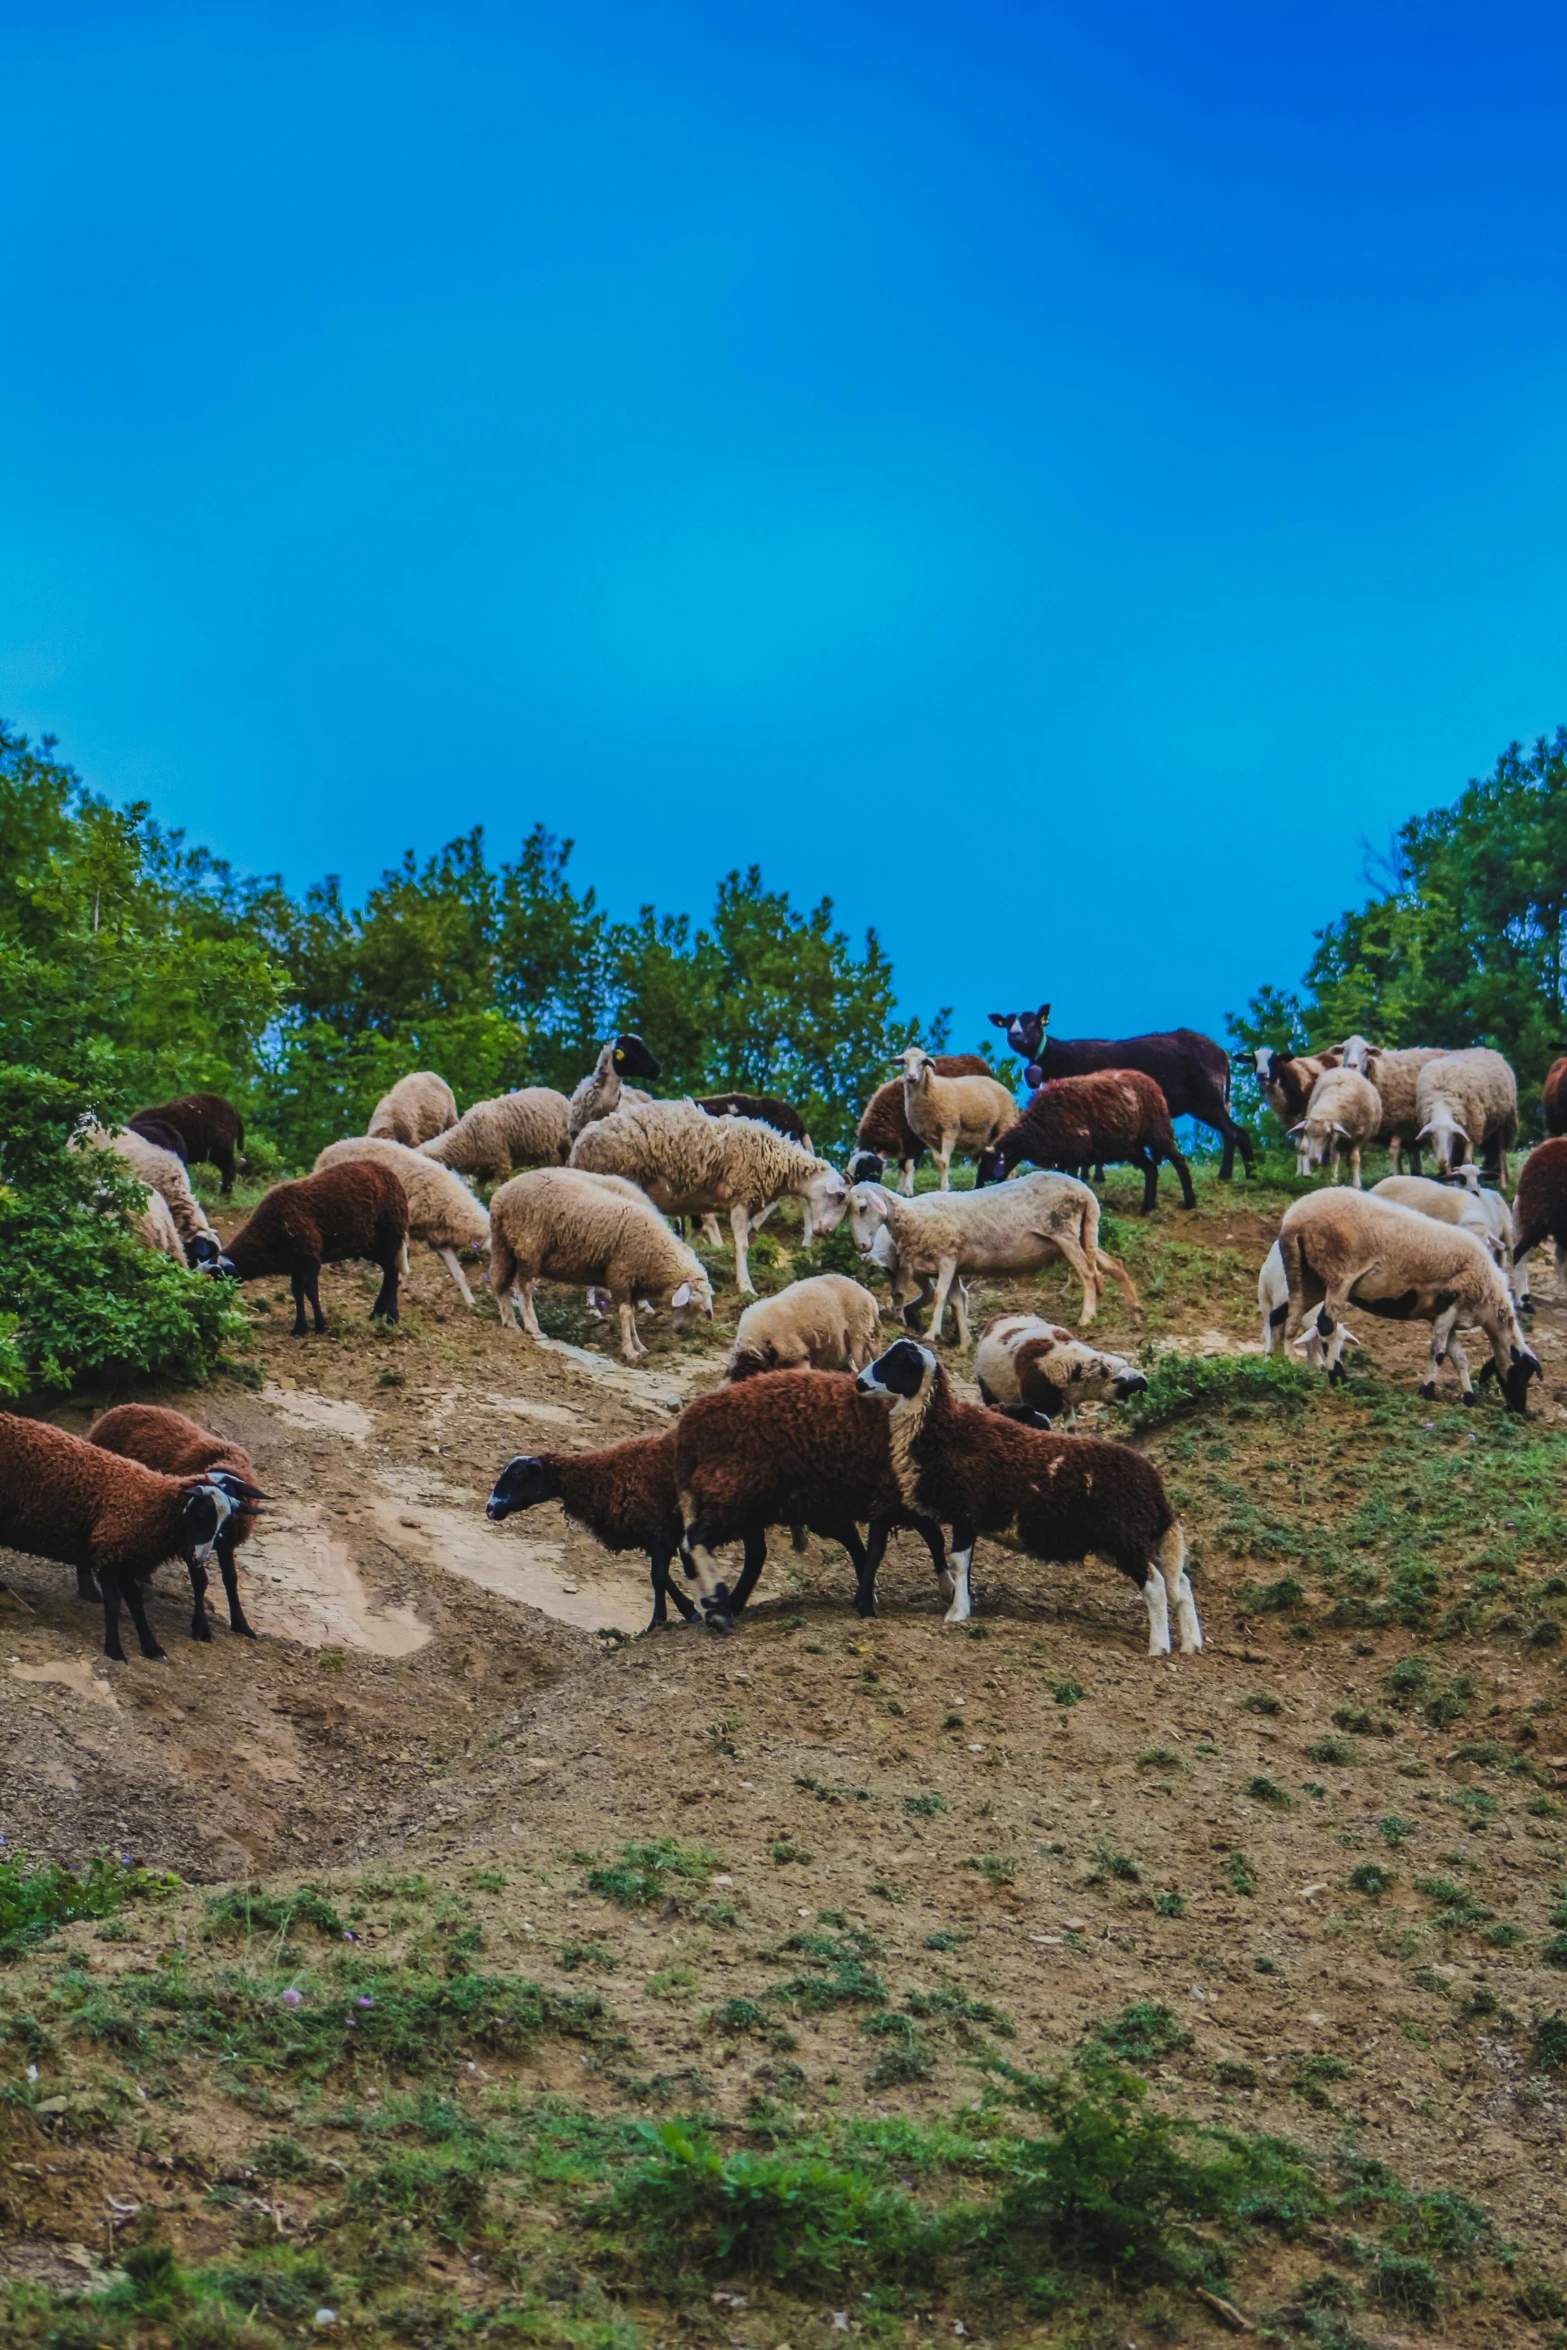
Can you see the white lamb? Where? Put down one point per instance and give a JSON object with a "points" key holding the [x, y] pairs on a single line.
{"points": [[826, 1323], [559, 1224], [1467, 1104], [1015, 1227], [693, 1165], [1342, 1116], [953, 1113], [442, 1211]]}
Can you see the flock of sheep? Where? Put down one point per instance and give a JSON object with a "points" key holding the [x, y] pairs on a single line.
{"points": [[813, 1426]]}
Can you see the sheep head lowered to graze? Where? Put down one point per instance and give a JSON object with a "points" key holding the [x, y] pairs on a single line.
{"points": [[1080, 1122], [166, 1440], [825, 1323], [1016, 1227], [1190, 1070], [1057, 1498], [1024, 1365], [1342, 1248], [568, 1224], [358, 1209]]}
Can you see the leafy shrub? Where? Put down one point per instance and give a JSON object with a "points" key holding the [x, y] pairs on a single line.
{"points": [[36, 1896], [1184, 1383], [1142, 2031]]}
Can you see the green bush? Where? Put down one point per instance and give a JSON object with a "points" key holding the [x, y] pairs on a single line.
{"points": [[36, 1896], [1142, 2031], [1185, 1383]]}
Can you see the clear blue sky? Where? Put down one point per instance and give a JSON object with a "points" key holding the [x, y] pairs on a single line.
{"points": [[1055, 477]]}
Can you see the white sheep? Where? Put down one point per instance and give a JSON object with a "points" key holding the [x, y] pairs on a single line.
{"points": [[1449, 1203], [604, 1088], [1024, 1364], [522, 1129], [826, 1323], [1341, 1249], [154, 1225], [162, 1172], [1015, 1227], [559, 1224], [1467, 1104], [1396, 1076], [418, 1108], [1273, 1300], [692, 1165], [953, 1113], [1493, 1205], [1342, 1116], [442, 1211]]}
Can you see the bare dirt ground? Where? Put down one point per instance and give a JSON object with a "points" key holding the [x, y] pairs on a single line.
{"points": [[1078, 1827]]}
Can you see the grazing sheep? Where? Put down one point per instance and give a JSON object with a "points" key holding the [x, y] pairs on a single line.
{"points": [[1342, 1116], [1190, 1070], [162, 1137], [162, 1172], [1342, 1250], [952, 1113], [490, 1140], [622, 1494], [1059, 1498], [166, 1440], [154, 1225], [1396, 1076], [442, 1211], [562, 1224], [1078, 1122], [358, 1210], [1285, 1080], [784, 1449], [210, 1127], [604, 1089], [1553, 1097], [1467, 1105], [1025, 1365], [766, 1108], [418, 1108], [112, 1520], [884, 1133], [1273, 1300], [828, 1323], [1497, 1211], [1449, 1203], [1014, 1227], [690, 1165], [1540, 1209]]}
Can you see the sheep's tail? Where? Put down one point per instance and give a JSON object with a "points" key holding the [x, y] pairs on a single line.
{"points": [[1177, 1584]]}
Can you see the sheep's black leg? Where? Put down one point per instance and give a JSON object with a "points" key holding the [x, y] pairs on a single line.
{"points": [[386, 1303], [200, 1629], [313, 1278], [1150, 1182], [86, 1588], [870, 1563], [111, 1616], [750, 1573], [1177, 1160], [664, 1590], [225, 1168], [237, 1620], [930, 1534], [299, 1285], [144, 1631]]}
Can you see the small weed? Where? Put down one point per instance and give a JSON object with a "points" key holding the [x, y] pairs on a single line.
{"points": [[1311, 2077], [36, 1896], [924, 1807], [1066, 1692], [575, 1955], [1170, 1905], [649, 1873], [1262, 1789], [1159, 1758], [1231, 2075], [1337, 1753], [944, 1939], [1107, 1862], [1370, 1878], [1239, 1874], [1394, 1830], [1141, 2032], [1262, 1701], [995, 1867]]}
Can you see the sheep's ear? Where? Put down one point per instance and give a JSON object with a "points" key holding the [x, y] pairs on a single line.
{"points": [[1339, 1127], [1424, 1131], [682, 1296], [997, 1019], [1294, 1130]]}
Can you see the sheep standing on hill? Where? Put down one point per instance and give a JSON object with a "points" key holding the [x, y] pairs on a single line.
{"points": [[1014, 1227], [952, 1113], [1396, 1076], [1025, 1365], [1340, 1250], [1447, 1203], [828, 1323], [357, 1210], [1495, 1207], [1342, 1116], [1467, 1104], [604, 1088], [209, 1128], [418, 1108], [442, 1211], [1540, 1210], [162, 1172], [691, 1165], [522, 1129], [167, 1441], [884, 1136], [1079, 1122], [1285, 1080], [112, 1520], [1553, 1097], [622, 1494], [1057, 1498], [562, 1224]]}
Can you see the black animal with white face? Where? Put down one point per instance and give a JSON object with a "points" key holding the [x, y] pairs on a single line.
{"points": [[1025, 1033], [897, 1375], [522, 1485]]}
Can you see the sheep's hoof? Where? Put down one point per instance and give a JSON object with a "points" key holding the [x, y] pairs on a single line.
{"points": [[1338, 1376], [1428, 1392], [1470, 1397]]}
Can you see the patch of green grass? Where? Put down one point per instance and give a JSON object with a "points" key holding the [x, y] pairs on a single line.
{"points": [[1262, 1701], [1311, 2076], [1066, 1692], [1141, 2032], [1183, 1384], [1370, 1878], [1159, 1758], [39, 1896], [1270, 1599], [944, 1939], [1456, 1908], [1239, 1874], [248, 1910], [1170, 1905], [647, 1874], [1395, 1830], [1336, 1753], [575, 1955], [924, 1807], [1108, 1862], [1262, 1789], [997, 1868]]}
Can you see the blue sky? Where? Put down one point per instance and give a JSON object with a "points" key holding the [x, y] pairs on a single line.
{"points": [[1055, 478]]}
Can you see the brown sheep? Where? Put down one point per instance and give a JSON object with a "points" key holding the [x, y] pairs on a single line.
{"points": [[352, 1210], [1079, 1122], [163, 1439], [209, 1127], [112, 1520], [1553, 1097]]}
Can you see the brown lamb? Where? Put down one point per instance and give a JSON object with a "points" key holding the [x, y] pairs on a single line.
{"points": [[787, 1448], [1075, 1123], [111, 1519], [1059, 1498], [209, 1127], [354, 1209], [163, 1439]]}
